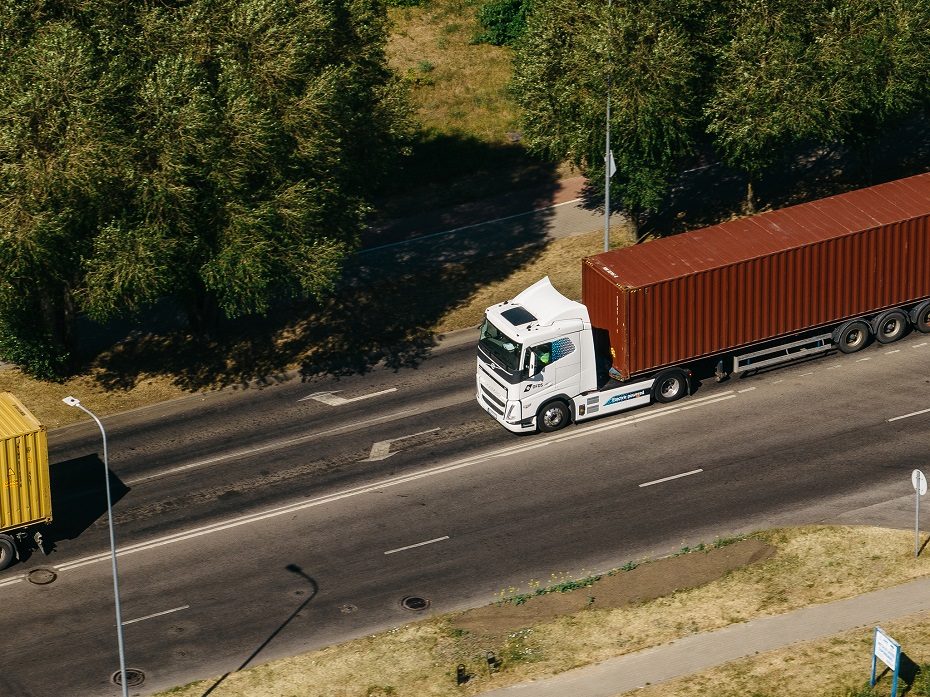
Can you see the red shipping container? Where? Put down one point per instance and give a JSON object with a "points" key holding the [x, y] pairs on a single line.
{"points": [[709, 291]]}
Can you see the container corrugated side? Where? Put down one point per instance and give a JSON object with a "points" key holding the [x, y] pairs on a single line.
{"points": [[25, 494], [716, 310]]}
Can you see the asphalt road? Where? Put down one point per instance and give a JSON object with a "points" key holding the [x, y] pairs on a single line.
{"points": [[261, 522]]}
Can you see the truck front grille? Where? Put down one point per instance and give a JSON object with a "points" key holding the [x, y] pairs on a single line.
{"points": [[493, 402]]}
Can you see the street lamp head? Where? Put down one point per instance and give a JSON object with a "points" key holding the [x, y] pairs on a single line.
{"points": [[71, 401]]}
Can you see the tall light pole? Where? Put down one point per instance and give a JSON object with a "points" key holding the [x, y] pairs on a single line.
{"points": [[608, 158], [73, 402]]}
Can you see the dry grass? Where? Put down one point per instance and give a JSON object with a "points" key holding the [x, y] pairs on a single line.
{"points": [[456, 86], [827, 668], [44, 398], [811, 565]]}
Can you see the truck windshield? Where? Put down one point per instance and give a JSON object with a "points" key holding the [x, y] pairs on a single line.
{"points": [[499, 345]]}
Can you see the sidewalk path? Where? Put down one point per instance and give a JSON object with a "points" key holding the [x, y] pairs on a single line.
{"points": [[569, 216], [698, 652]]}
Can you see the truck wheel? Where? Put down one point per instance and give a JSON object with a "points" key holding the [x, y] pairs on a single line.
{"points": [[669, 386], [852, 336], [7, 551], [921, 317], [889, 326], [552, 417]]}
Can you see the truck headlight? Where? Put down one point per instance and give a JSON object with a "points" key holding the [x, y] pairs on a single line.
{"points": [[513, 412]]}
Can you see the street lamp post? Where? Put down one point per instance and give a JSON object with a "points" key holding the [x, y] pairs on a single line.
{"points": [[608, 157], [73, 402]]}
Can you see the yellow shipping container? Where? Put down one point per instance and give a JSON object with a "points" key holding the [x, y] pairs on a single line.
{"points": [[25, 495]]}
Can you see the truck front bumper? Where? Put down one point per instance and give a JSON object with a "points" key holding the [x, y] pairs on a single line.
{"points": [[525, 426]]}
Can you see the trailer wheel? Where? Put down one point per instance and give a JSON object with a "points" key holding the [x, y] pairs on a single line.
{"points": [[669, 386], [920, 316], [852, 336], [889, 326], [553, 416], [7, 551]]}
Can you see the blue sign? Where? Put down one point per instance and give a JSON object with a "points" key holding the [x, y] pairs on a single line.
{"points": [[889, 652]]}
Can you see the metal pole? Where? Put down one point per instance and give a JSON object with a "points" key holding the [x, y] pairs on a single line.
{"points": [[916, 521], [71, 401], [607, 150]]}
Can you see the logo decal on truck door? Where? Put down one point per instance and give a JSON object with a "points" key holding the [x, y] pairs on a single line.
{"points": [[535, 385]]}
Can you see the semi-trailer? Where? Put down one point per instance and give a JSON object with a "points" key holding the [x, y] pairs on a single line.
{"points": [[25, 493], [746, 294]]}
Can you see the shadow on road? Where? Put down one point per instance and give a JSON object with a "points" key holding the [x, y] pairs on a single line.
{"points": [[314, 589], [79, 497]]}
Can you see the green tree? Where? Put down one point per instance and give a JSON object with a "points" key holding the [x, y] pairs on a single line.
{"points": [[815, 71], [646, 55], [215, 151], [769, 91], [62, 167], [877, 54], [503, 21], [262, 126]]}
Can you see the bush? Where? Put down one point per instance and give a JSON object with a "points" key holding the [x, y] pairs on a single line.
{"points": [[36, 354], [504, 21]]}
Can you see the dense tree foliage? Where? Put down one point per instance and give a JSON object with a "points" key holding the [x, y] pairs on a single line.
{"points": [[815, 70], [217, 151], [503, 21], [754, 78], [645, 56]]}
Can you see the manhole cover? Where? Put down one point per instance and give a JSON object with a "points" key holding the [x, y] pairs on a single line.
{"points": [[347, 609], [134, 677], [40, 577], [414, 602]]}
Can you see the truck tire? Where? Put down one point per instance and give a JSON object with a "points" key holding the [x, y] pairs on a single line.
{"points": [[852, 336], [7, 551], [553, 416], [920, 316], [889, 326], [669, 386]]}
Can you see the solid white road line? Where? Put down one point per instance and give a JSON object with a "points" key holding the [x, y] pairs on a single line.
{"points": [[668, 479], [913, 413], [288, 509], [262, 448], [156, 614], [418, 544]]}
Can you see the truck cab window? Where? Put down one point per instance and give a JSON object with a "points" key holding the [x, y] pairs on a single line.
{"points": [[505, 350], [543, 355]]}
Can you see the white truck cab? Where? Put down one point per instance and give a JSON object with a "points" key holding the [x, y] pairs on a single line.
{"points": [[538, 369]]}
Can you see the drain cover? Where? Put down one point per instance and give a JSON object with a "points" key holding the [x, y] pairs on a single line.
{"points": [[41, 577], [414, 602], [134, 677]]}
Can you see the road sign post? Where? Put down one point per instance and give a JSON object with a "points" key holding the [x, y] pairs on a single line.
{"points": [[919, 482], [889, 651]]}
